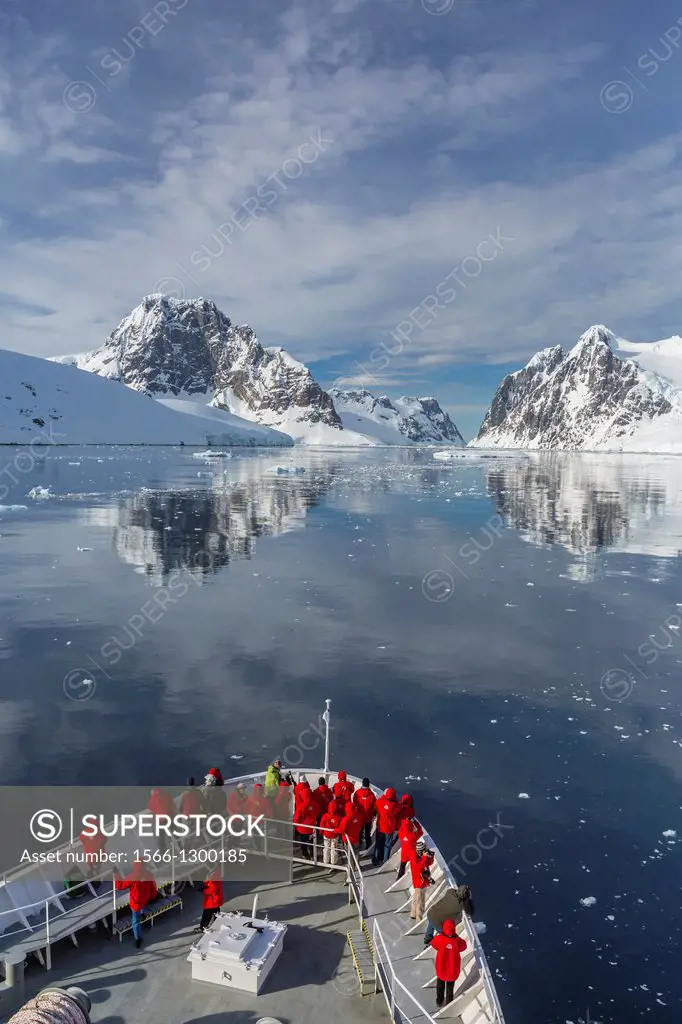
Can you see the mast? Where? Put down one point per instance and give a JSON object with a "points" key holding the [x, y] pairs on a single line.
{"points": [[326, 717]]}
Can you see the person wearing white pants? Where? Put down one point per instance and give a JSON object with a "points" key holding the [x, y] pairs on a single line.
{"points": [[329, 826]]}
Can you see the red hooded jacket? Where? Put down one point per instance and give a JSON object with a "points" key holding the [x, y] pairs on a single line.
{"points": [[213, 892], [299, 789], [283, 801], [93, 844], [405, 808], [142, 886], [237, 804], [351, 826], [418, 866], [306, 816], [449, 948], [331, 823], [343, 789], [257, 803], [161, 802], [366, 803], [409, 833], [191, 802], [387, 812], [322, 796]]}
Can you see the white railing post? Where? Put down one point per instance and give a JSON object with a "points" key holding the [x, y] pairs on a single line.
{"points": [[48, 954], [326, 718]]}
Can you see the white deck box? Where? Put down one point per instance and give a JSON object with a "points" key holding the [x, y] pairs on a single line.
{"points": [[234, 954]]}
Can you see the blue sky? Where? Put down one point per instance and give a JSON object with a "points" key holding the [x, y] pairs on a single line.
{"points": [[320, 168]]}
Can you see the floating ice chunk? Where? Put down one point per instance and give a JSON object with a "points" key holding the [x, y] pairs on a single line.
{"points": [[481, 927], [211, 454], [13, 508], [83, 549], [670, 833], [286, 470], [588, 901], [236, 757], [40, 493], [524, 796]]}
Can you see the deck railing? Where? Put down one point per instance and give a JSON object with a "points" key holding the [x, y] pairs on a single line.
{"points": [[355, 881], [384, 971]]}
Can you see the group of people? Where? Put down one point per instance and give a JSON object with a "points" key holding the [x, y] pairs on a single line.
{"points": [[342, 816]]}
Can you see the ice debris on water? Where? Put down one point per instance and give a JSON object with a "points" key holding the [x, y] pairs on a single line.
{"points": [[83, 549], [670, 833], [211, 454], [40, 493], [286, 470], [13, 508], [524, 796], [588, 901], [481, 927]]}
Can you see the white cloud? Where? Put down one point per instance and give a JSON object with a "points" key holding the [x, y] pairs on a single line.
{"points": [[355, 243]]}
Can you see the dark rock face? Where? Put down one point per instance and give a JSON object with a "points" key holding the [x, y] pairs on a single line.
{"points": [[175, 347], [573, 401]]}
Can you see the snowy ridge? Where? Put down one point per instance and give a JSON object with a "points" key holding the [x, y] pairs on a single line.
{"points": [[47, 403], [606, 394], [170, 348], [401, 421], [188, 351]]}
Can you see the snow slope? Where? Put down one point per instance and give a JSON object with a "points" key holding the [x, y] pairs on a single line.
{"points": [[400, 421], [606, 394], [188, 350], [49, 403]]}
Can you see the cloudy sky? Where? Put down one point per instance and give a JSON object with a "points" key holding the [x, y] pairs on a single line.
{"points": [[460, 181]]}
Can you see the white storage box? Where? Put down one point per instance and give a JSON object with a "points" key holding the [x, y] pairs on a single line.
{"points": [[234, 954]]}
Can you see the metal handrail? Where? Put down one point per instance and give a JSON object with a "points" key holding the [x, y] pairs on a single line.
{"points": [[387, 964]]}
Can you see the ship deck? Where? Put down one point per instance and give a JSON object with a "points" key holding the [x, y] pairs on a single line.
{"points": [[314, 977]]}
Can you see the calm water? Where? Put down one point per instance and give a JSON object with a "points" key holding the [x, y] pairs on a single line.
{"points": [[486, 628]]}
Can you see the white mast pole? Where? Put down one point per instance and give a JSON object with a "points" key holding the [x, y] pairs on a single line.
{"points": [[326, 719]]}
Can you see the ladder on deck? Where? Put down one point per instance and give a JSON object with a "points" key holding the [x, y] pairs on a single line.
{"points": [[362, 951]]}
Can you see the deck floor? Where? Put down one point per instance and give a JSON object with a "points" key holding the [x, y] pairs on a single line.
{"points": [[314, 978]]}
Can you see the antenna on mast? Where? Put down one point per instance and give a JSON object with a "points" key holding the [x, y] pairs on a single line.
{"points": [[326, 718]]}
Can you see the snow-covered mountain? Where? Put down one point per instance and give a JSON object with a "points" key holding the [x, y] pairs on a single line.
{"points": [[45, 403], [604, 394], [189, 352], [175, 348], [401, 421]]}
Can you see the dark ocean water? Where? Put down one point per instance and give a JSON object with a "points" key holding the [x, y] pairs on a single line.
{"points": [[486, 628]]}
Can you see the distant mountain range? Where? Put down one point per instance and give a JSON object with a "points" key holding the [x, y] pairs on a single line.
{"points": [[185, 353], [605, 394]]}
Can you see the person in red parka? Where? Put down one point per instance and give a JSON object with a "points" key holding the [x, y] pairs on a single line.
{"points": [[213, 899], [366, 802], [302, 786], [405, 808], [283, 801], [420, 867], [351, 826], [331, 827], [449, 948], [323, 796], [343, 789], [237, 800], [387, 823], [92, 847], [305, 818], [409, 833], [143, 891], [161, 803]]}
